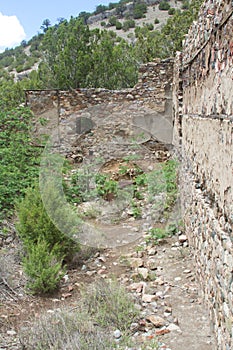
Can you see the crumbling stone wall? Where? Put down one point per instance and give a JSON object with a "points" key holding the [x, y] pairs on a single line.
{"points": [[203, 122], [148, 105]]}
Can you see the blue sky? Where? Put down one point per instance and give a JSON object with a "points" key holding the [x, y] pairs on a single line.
{"points": [[21, 19]]}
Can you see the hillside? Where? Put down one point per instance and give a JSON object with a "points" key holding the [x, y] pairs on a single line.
{"points": [[153, 17], [105, 53], [20, 61]]}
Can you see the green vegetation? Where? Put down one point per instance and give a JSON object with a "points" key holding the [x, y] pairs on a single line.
{"points": [[110, 305], [171, 11], [35, 224], [70, 55], [46, 247], [129, 23], [136, 210], [139, 10], [75, 56], [19, 159], [164, 6], [104, 307], [170, 169], [106, 187], [158, 234], [43, 268]]}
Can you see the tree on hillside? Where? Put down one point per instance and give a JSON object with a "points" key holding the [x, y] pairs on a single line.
{"points": [[100, 9], [75, 56], [45, 25]]}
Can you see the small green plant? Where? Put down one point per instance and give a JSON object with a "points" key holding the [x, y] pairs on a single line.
{"points": [[77, 188], [106, 187], [112, 21], [139, 10], [170, 170], [156, 233], [185, 5], [156, 21], [129, 23], [131, 157], [43, 121], [136, 210], [139, 248], [138, 194], [91, 213], [141, 180]]}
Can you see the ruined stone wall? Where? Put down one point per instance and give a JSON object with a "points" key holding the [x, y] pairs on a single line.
{"points": [[148, 105], [204, 128]]}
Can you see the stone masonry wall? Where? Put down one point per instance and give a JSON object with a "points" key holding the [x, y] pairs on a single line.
{"points": [[147, 106], [203, 103]]}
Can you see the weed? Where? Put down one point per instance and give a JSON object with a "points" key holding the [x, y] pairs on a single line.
{"points": [[91, 213], [136, 210], [141, 180], [106, 187], [109, 304], [156, 234], [131, 157]]}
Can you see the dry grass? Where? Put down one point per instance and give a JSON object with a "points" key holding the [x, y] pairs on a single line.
{"points": [[89, 326]]}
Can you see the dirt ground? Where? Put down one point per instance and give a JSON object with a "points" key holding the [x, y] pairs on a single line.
{"points": [[178, 294]]}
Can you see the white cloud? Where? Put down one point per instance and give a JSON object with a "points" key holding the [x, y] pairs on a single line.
{"points": [[11, 31]]}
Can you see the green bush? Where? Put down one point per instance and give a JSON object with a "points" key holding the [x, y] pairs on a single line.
{"points": [[35, 224], [112, 21], [118, 25], [156, 233], [19, 68], [185, 5], [164, 6], [42, 267], [19, 160], [171, 11], [156, 21], [139, 10], [130, 23], [149, 26]]}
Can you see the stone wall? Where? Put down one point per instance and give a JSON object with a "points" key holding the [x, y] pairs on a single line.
{"points": [[203, 132], [147, 106]]}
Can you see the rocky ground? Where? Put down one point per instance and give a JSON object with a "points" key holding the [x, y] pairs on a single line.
{"points": [[161, 279], [159, 274]]}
